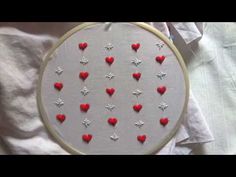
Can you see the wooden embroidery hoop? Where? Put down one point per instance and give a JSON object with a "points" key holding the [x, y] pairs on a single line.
{"points": [[48, 57]]}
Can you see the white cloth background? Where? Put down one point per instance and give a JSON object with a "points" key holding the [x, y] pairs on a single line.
{"points": [[21, 129], [212, 70]]}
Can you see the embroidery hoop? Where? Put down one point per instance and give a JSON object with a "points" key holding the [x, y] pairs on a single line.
{"points": [[66, 146]]}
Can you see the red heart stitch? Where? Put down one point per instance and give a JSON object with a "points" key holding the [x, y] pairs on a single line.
{"points": [[109, 60], [161, 90], [160, 59], [141, 138], [83, 75], [137, 76], [61, 117], [58, 86], [87, 137], [83, 45], [137, 107], [135, 46], [84, 107], [110, 91], [164, 121], [112, 121]]}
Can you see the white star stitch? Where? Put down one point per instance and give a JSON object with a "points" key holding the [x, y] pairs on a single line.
{"points": [[109, 47], [163, 106], [84, 91], [110, 76], [59, 71], [84, 60], [139, 123], [59, 102], [110, 107], [114, 137], [136, 61], [161, 75], [160, 46], [137, 92], [86, 122]]}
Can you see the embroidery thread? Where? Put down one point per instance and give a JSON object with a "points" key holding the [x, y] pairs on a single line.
{"points": [[86, 122], [59, 102], [59, 70]]}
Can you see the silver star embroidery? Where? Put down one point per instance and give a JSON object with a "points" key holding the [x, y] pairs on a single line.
{"points": [[59, 70], [160, 46], [114, 137], [110, 76], [59, 102], [109, 47], [161, 75], [137, 92], [84, 91], [139, 123], [86, 122], [84, 60], [110, 107], [136, 61], [163, 106]]}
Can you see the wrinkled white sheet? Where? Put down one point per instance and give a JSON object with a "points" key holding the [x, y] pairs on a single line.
{"points": [[212, 70], [20, 126]]}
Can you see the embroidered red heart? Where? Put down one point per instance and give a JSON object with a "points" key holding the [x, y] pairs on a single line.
{"points": [[87, 137], [109, 60], [83, 45], [110, 91], [160, 59], [164, 121], [84, 107], [112, 121], [135, 46], [61, 117], [141, 138], [83, 75], [137, 76], [161, 90], [137, 107], [58, 85]]}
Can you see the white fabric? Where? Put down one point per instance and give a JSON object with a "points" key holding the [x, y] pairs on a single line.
{"points": [[20, 126], [189, 31], [212, 71]]}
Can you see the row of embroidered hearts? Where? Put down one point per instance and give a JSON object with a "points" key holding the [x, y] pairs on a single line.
{"points": [[160, 59], [112, 120], [85, 107], [137, 75], [84, 75], [84, 45], [110, 91], [88, 137]]}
